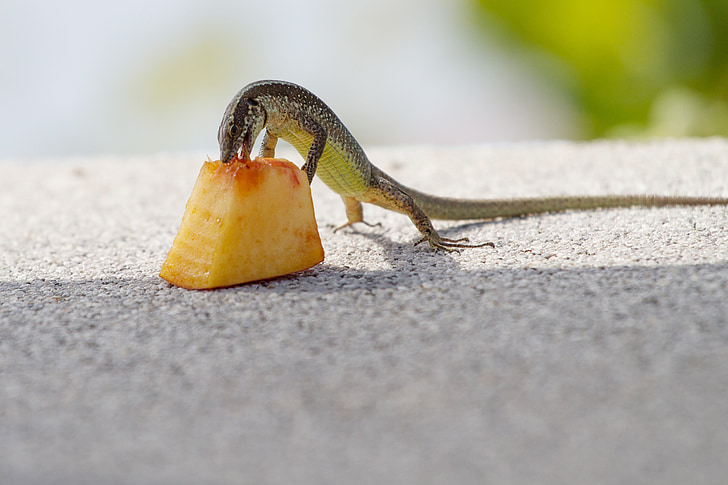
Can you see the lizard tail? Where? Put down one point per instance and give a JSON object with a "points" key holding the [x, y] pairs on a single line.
{"points": [[447, 208]]}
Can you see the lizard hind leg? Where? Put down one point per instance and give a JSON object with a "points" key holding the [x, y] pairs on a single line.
{"points": [[389, 194], [268, 145]]}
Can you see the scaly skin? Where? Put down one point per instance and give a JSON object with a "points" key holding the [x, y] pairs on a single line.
{"points": [[299, 117]]}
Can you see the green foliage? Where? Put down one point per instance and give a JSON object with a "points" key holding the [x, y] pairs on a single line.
{"points": [[648, 67]]}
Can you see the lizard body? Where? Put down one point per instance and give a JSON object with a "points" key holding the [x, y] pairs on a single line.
{"points": [[299, 117]]}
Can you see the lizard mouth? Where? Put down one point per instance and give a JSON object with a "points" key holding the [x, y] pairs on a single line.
{"points": [[226, 156], [242, 153]]}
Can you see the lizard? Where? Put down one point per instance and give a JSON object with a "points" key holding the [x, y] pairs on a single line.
{"points": [[290, 112]]}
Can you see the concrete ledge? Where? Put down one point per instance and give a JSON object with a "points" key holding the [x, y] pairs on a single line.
{"points": [[588, 347]]}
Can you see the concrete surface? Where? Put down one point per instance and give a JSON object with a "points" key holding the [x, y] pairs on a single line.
{"points": [[587, 347]]}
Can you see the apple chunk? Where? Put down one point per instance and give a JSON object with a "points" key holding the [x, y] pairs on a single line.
{"points": [[244, 221]]}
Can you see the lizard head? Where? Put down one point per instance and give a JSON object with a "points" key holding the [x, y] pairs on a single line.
{"points": [[241, 124]]}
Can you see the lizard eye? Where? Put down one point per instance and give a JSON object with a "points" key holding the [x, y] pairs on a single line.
{"points": [[234, 130], [251, 102]]}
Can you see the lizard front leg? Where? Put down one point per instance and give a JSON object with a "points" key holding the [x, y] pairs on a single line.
{"points": [[388, 194], [314, 128], [268, 145]]}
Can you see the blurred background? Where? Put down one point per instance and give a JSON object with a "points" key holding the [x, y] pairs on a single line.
{"points": [[83, 77]]}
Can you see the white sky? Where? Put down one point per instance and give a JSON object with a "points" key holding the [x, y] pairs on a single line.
{"points": [[84, 77]]}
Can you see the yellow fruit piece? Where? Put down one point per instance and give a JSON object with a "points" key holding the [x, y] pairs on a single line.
{"points": [[244, 221]]}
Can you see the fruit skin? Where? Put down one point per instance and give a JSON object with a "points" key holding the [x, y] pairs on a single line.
{"points": [[244, 221]]}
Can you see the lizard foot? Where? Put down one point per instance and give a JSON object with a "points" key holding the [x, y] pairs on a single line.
{"points": [[350, 223], [452, 245]]}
